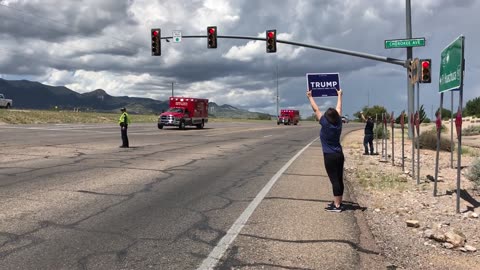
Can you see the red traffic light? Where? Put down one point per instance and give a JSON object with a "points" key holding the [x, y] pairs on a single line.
{"points": [[155, 33], [270, 34], [212, 37], [425, 64]]}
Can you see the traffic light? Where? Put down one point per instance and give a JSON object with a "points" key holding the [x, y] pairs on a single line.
{"points": [[212, 37], [409, 70], [426, 75], [156, 49], [271, 41]]}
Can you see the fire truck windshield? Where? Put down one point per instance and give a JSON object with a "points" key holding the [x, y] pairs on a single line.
{"points": [[176, 110]]}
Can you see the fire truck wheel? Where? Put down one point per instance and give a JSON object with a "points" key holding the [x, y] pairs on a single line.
{"points": [[160, 126], [182, 125], [201, 125]]}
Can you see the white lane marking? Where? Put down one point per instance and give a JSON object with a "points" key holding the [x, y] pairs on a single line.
{"points": [[217, 253], [266, 136]]}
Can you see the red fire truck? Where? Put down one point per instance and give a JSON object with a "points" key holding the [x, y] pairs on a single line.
{"points": [[185, 111], [288, 117]]}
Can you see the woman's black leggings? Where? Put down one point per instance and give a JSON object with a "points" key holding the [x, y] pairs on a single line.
{"points": [[334, 166]]}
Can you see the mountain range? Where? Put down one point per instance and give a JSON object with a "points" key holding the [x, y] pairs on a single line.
{"points": [[34, 95]]}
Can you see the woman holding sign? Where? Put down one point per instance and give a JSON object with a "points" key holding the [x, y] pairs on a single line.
{"points": [[331, 122]]}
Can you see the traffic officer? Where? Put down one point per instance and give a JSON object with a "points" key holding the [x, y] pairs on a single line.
{"points": [[124, 121]]}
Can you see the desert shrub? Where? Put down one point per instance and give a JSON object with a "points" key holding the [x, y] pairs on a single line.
{"points": [[473, 173], [378, 131], [471, 131], [443, 128], [428, 140]]}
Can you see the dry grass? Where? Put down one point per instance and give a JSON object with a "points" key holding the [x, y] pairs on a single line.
{"points": [[67, 117], [70, 117], [371, 179]]}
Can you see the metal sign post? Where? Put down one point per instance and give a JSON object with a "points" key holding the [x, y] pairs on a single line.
{"points": [[412, 125], [402, 124], [392, 121], [438, 123], [376, 135], [452, 143], [385, 135], [417, 124]]}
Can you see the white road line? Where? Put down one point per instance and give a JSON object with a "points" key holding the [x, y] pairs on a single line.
{"points": [[266, 136], [217, 253]]}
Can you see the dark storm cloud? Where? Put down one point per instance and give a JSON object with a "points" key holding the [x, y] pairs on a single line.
{"points": [[59, 20]]}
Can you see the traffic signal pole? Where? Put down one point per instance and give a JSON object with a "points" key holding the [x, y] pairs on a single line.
{"points": [[384, 59], [410, 86]]}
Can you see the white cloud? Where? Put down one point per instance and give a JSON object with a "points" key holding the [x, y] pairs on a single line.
{"points": [[245, 53], [256, 49]]}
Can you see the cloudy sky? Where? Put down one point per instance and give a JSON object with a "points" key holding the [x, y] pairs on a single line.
{"points": [[91, 44]]}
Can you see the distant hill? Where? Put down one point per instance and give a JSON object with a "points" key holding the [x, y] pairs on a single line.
{"points": [[34, 95]]}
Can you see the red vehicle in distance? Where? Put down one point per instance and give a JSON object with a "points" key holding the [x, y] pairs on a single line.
{"points": [[289, 117], [185, 111]]}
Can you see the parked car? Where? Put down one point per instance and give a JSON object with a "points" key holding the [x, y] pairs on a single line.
{"points": [[345, 119], [5, 103]]}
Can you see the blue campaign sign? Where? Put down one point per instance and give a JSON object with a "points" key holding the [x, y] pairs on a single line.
{"points": [[323, 84]]}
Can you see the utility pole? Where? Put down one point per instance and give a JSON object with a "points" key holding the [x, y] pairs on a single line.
{"points": [[277, 95], [410, 88]]}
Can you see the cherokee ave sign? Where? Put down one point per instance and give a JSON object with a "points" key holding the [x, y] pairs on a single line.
{"points": [[404, 43]]}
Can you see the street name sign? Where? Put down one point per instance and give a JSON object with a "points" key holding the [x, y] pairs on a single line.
{"points": [[451, 66], [323, 84], [404, 43]]}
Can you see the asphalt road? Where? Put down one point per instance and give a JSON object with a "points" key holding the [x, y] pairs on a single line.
{"points": [[71, 199]]}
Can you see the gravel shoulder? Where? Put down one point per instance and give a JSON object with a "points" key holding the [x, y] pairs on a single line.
{"points": [[393, 197]]}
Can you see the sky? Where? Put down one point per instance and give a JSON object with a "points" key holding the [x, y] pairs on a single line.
{"points": [[105, 44]]}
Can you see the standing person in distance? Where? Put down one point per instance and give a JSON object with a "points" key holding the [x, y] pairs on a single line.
{"points": [[368, 137], [331, 122], [124, 121]]}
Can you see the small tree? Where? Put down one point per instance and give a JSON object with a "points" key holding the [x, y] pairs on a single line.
{"points": [[474, 173], [371, 111], [446, 114], [422, 114], [472, 108]]}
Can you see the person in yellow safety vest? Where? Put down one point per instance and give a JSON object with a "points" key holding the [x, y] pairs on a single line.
{"points": [[124, 121]]}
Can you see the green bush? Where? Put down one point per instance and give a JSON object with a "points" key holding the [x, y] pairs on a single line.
{"points": [[428, 140], [471, 131], [378, 131], [443, 128], [474, 173]]}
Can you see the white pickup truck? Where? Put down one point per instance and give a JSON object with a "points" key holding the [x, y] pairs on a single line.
{"points": [[5, 103]]}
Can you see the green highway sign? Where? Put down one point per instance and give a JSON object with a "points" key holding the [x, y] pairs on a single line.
{"points": [[404, 43], [451, 67]]}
